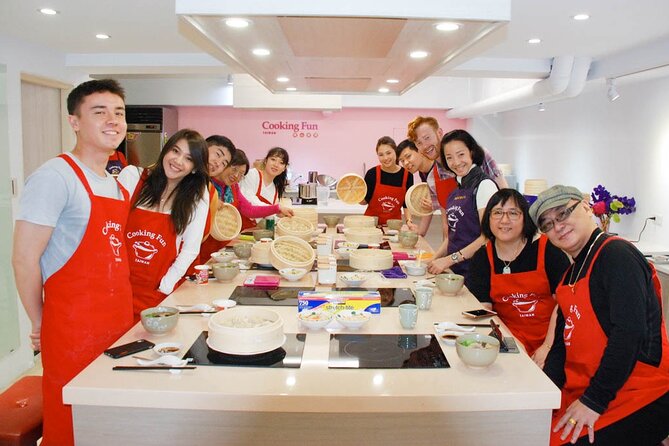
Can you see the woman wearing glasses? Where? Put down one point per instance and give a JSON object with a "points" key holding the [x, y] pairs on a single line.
{"points": [[516, 273]]}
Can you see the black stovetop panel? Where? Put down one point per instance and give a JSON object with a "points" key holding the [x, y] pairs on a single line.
{"points": [[287, 296], [387, 351]]}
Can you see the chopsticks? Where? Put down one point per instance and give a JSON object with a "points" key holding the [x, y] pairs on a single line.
{"points": [[197, 312], [152, 367]]}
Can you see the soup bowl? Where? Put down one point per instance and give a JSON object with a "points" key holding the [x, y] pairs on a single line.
{"points": [[450, 283], [477, 350], [159, 320]]}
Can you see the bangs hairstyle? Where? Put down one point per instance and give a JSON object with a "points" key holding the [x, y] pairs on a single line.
{"points": [[77, 96], [190, 189], [501, 197], [475, 150], [223, 141], [239, 159], [417, 122], [280, 180], [407, 143]]}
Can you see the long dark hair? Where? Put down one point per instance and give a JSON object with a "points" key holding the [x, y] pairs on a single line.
{"points": [[476, 151], [190, 189], [279, 180], [501, 197]]}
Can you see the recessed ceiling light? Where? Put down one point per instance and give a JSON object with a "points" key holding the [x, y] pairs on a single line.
{"points": [[581, 17], [291, 89], [102, 36], [48, 11], [393, 81], [418, 54], [534, 41], [236, 22], [282, 79], [383, 90], [447, 26], [261, 52]]}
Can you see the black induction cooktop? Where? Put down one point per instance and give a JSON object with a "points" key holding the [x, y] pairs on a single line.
{"points": [[388, 351], [289, 355], [287, 296]]}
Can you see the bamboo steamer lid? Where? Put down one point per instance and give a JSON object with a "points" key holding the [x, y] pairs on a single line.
{"points": [[363, 235], [310, 214], [371, 259], [291, 252], [295, 226], [260, 253], [226, 223], [359, 221], [414, 198], [351, 188]]}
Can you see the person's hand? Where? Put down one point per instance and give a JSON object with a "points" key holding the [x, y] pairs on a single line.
{"points": [[540, 354], [426, 202], [577, 417], [35, 339], [437, 266], [220, 204], [286, 211], [412, 226]]}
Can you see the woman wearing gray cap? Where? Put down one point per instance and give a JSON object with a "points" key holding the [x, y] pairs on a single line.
{"points": [[610, 355]]}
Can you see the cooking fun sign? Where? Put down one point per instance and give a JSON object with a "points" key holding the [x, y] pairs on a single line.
{"points": [[298, 129]]}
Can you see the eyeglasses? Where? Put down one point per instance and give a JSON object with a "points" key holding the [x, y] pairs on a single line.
{"points": [[513, 214], [560, 216], [236, 171]]}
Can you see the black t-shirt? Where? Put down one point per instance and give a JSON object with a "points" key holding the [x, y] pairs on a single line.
{"points": [[478, 280], [390, 179]]}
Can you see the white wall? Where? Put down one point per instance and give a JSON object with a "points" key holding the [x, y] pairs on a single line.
{"points": [[586, 141]]}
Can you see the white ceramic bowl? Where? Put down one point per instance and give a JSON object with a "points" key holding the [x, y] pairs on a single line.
{"points": [[223, 304], [353, 279], [222, 256], [344, 252], [159, 320], [450, 283], [314, 319], [292, 274], [415, 268], [477, 350], [353, 319], [167, 348]]}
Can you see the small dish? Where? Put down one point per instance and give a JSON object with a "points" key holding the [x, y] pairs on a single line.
{"points": [[167, 348], [353, 319], [314, 319], [351, 245], [352, 279], [293, 274], [415, 268], [222, 256], [344, 252], [223, 304]]}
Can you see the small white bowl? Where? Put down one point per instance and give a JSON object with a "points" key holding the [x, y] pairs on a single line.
{"points": [[353, 319], [352, 279], [415, 268], [314, 319], [223, 304], [222, 256], [344, 252], [352, 245], [167, 348], [292, 274], [477, 350]]}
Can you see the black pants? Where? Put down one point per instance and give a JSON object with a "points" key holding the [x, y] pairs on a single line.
{"points": [[647, 426]]}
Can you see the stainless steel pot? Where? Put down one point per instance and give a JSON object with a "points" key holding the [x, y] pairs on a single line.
{"points": [[307, 191], [312, 176]]}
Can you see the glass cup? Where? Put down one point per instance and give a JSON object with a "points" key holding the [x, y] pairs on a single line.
{"points": [[322, 195], [424, 297], [408, 315]]}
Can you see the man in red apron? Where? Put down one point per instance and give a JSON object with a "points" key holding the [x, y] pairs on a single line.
{"points": [[612, 360], [69, 232]]}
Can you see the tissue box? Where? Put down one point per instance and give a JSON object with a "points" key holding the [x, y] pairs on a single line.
{"points": [[335, 301]]}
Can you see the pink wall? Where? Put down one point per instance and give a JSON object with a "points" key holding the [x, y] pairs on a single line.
{"points": [[332, 143]]}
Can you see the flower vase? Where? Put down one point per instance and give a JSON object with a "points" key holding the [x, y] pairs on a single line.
{"points": [[604, 224]]}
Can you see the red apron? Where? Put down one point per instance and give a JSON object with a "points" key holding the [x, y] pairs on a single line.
{"points": [[151, 241], [386, 202], [87, 306], [443, 187], [585, 342], [523, 300]]}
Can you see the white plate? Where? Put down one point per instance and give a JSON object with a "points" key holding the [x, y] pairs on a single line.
{"points": [[257, 352]]}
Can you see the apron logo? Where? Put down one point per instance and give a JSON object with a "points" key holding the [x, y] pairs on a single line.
{"points": [[454, 213], [147, 234], [388, 204], [525, 304], [110, 225], [144, 250], [115, 244]]}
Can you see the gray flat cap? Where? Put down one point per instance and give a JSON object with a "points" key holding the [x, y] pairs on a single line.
{"points": [[553, 197]]}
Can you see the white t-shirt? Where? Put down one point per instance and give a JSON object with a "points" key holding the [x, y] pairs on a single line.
{"points": [[54, 196], [191, 237], [249, 186]]}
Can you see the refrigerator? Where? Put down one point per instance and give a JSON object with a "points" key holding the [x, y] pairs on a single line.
{"points": [[149, 128]]}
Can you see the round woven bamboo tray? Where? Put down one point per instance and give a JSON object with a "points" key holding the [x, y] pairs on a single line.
{"points": [[363, 235], [371, 259], [226, 223], [351, 188], [414, 200], [291, 252], [309, 214], [359, 221], [295, 226]]}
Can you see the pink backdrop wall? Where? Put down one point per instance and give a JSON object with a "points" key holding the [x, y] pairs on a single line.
{"points": [[332, 143]]}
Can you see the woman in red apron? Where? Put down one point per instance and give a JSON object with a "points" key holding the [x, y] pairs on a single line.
{"points": [[166, 223], [516, 273], [387, 184]]}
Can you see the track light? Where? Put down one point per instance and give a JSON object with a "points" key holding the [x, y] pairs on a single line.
{"points": [[542, 107], [611, 90]]}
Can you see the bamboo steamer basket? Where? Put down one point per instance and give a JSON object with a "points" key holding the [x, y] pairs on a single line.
{"points": [[226, 223], [363, 235], [414, 197], [291, 252], [351, 188], [371, 259], [359, 221], [295, 226], [260, 253], [309, 214]]}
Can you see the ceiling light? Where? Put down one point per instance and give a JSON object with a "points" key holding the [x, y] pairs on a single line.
{"points": [[393, 81], [447, 26], [534, 41], [103, 36], [291, 89], [581, 17], [48, 11], [542, 107], [611, 90], [261, 52], [282, 79], [418, 54], [383, 90], [230, 80], [236, 22]]}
